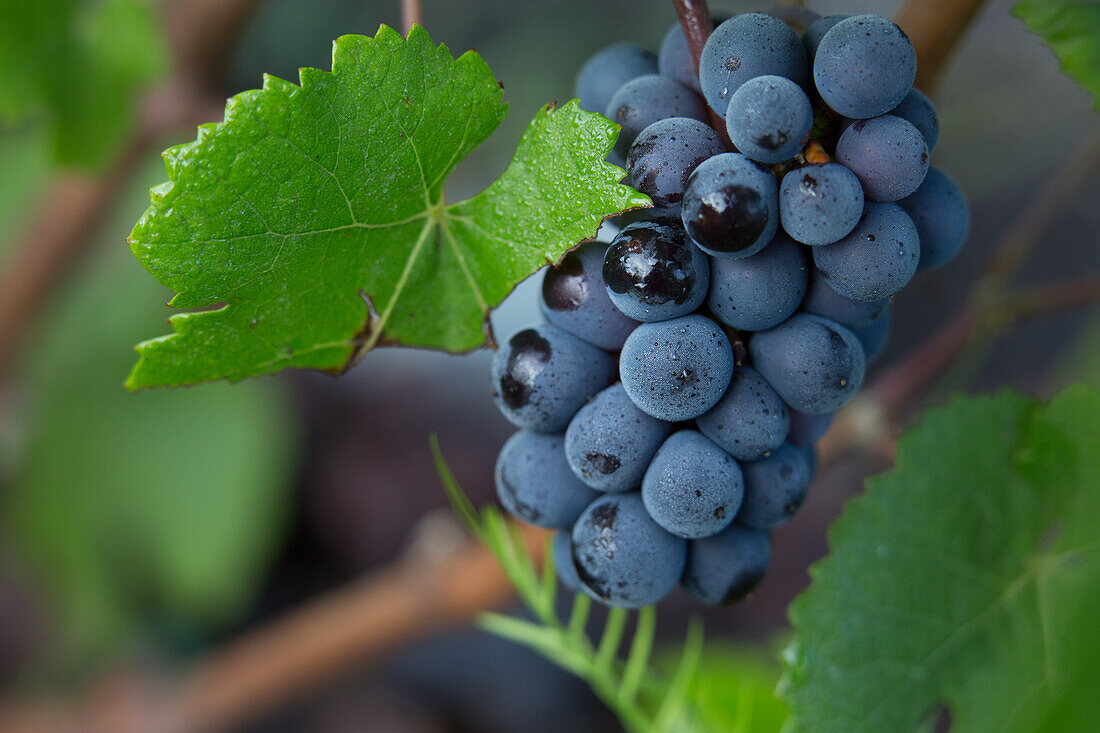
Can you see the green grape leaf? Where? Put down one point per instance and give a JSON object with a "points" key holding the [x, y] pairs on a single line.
{"points": [[312, 224], [163, 506], [967, 577], [1072, 30], [79, 67]]}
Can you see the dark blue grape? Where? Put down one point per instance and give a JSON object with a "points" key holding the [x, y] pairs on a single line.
{"points": [[744, 47], [603, 74], [731, 206], [676, 370], [640, 102], [610, 442], [939, 211], [811, 39], [822, 300], [877, 259], [814, 364], [693, 488], [887, 154], [807, 429], [775, 487], [535, 483], [726, 567], [574, 298], [761, 291], [653, 273], [819, 204], [664, 155], [622, 556], [562, 550], [749, 420], [864, 66], [768, 118], [874, 335], [543, 375], [917, 109], [674, 57]]}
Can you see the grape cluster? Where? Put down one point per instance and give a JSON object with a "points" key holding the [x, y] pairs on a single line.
{"points": [[670, 403]]}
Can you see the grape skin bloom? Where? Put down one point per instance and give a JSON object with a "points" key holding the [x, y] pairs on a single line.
{"points": [[819, 204], [864, 66], [664, 155], [877, 259], [535, 483], [750, 420], [747, 46], [888, 155], [726, 567], [939, 211], [622, 556], [758, 292], [768, 118], [642, 101], [574, 298], [543, 375], [775, 487], [610, 442], [676, 370], [606, 71], [814, 364], [693, 488]]}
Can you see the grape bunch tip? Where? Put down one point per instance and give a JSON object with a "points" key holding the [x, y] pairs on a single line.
{"points": [[669, 404]]}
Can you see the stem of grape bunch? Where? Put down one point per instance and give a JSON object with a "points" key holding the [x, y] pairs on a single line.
{"points": [[411, 13], [697, 23]]}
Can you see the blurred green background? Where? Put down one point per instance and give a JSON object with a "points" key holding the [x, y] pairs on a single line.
{"points": [[153, 526]]}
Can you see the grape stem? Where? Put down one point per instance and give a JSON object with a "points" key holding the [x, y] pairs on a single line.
{"points": [[411, 13], [697, 25]]}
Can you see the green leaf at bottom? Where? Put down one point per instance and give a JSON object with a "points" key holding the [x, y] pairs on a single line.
{"points": [[968, 577]]}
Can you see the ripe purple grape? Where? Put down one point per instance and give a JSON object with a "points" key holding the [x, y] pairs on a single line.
{"points": [[768, 118], [775, 487], [864, 66], [610, 442], [726, 567], [750, 420], [744, 47], [692, 488], [610, 68], [622, 556], [814, 364], [888, 155], [664, 155], [939, 211], [877, 259], [653, 273], [819, 204], [543, 375], [676, 370], [731, 206], [574, 298], [761, 291], [535, 483], [642, 101]]}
